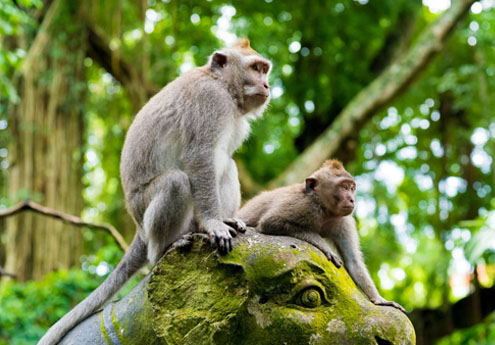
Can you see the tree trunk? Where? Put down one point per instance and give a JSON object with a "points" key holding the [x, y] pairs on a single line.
{"points": [[47, 136]]}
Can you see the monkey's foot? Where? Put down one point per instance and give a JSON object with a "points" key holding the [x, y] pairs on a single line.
{"points": [[183, 244], [384, 302], [237, 224]]}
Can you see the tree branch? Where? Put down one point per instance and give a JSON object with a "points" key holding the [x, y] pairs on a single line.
{"points": [[392, 82], [4, 273], [138, 88], [66, 218]]}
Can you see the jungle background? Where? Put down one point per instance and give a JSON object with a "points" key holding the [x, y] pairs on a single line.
{"points": [[402, 91]]}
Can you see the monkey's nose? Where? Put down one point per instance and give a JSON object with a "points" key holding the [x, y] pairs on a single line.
{"points": [[265, 85]]}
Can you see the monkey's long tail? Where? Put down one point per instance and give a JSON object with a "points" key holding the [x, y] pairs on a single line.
{"points": [[131, 262]]}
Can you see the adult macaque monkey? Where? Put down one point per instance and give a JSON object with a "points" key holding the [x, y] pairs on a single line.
{"points": [[316, 211], [177, 170]]}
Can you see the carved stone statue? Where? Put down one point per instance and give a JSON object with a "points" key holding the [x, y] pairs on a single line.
{"points": [[268, 290]]}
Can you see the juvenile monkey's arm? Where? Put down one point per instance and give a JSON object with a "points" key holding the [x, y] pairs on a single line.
{"points": [[275, 225], [347, 241], [319, 242]]}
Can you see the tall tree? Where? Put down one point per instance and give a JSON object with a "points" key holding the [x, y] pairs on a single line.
{"points": [[47, 137]]}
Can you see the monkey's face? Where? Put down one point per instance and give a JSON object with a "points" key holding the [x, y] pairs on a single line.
{"points": [[343, 194], [336, 192], [255, 81], [246, 72]]}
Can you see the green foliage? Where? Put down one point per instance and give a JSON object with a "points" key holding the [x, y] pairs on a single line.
{"points": [[481, 248], [28, 309], [437, 141], [482, 334], [12, 19], [324, 55]]}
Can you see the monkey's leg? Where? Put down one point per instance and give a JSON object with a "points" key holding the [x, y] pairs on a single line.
{"points": [[169, 214], [383, 301], [230, 198], [236, 223]]}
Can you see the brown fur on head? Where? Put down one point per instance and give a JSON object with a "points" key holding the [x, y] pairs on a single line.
{"points": [[334, 187], [244, 46], [333, 164]]}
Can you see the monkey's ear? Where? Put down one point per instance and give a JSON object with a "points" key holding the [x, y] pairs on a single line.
{"points": [[218, 60], [311, 184]]}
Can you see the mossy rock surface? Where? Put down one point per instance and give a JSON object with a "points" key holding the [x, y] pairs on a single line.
{"points": [[268, 290]]}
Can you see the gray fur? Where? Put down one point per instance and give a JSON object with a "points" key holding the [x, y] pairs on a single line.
{"points": [[310, 214], [177, 170]]}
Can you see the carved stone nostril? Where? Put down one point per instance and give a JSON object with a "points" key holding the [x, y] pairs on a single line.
{"points": [[381, 341]]}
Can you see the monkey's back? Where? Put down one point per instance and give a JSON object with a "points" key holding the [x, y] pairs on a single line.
{"points": [[161, 135], [289, 203]]}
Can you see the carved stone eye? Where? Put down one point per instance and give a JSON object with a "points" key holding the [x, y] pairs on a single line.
{"points": [[310, 298]]}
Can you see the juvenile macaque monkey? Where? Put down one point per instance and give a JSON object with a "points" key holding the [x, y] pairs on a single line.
{"points": [[316, 211], [177, 170]]}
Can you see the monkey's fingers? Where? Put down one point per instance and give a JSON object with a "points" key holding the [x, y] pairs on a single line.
{"points": [[237, 224], [392, 304], [232, 232], [221, 245], [336, 261], [227, 245], [223, 240]]}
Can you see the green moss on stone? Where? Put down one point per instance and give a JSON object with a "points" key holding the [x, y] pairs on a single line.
{"points": [[251, 296], [103, 330], [255, 295]]}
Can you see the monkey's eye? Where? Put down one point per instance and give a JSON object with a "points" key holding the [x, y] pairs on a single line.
{"points": [[255, 67], [311, 297], [344, 186], [353, 188]]}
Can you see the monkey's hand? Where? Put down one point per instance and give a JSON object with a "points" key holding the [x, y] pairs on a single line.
{"points": [[220, 234], [236, 223], [383, 301], [334, 258]]}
